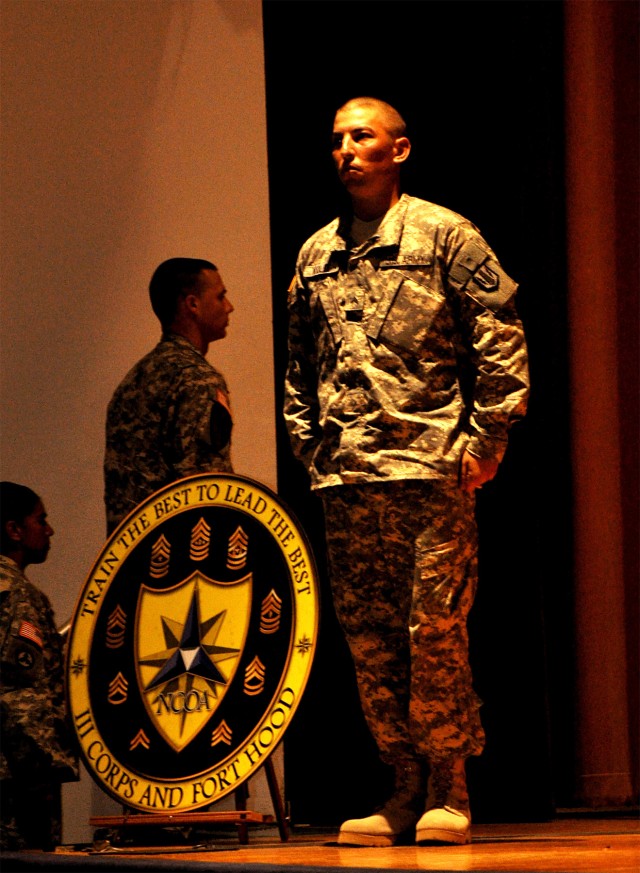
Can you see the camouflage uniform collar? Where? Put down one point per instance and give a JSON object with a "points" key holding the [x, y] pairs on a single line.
{"points": [[9, 564], [402, 230], [389, 232], [179, 340]]}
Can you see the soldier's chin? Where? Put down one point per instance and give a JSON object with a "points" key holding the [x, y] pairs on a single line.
{"points": [[40, 557], [353, 182]]}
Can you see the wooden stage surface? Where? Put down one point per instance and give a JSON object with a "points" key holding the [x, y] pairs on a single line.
{"points": [[565, 845]]}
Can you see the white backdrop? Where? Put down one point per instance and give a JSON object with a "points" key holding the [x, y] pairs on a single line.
{"points": [[132, 131]]}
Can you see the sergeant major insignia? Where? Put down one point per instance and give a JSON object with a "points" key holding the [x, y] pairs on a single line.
{"points": [[191, 643]]}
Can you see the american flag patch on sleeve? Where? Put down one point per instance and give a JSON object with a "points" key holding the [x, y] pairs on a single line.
{"points": [[30, 632]]}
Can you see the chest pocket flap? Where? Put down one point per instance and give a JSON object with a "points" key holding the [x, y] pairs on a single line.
{"points": [[405, 312]]}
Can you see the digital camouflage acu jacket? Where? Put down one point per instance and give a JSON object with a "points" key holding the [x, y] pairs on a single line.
{"points": [[37, 743], [169, 418], [403, 351]]}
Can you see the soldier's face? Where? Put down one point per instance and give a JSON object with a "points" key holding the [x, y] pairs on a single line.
{"points": [[363, 150], [214, 307], [34, 535]]}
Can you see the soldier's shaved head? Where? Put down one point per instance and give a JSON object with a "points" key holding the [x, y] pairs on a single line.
{"points": [[394, 123]]}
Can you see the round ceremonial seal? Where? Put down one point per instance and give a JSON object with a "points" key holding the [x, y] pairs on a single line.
{"points": [[191, 643]]}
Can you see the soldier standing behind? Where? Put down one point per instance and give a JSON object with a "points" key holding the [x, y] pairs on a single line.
{"points": [[407, 367], [170, 417], [37, 753]]}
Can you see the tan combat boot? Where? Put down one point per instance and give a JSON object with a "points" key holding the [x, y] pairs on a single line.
{"points": [[447, 819], [396, 819]]}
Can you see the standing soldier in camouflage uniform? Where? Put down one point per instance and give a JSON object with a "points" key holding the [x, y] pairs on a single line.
{"points": [[407, 367], [170, 417], [36, 754]]}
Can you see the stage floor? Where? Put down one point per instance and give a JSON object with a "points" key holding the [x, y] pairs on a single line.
{"points": [[567, 845]]}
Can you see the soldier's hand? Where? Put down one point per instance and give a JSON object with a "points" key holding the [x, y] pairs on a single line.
{"points": [[474, 472]]}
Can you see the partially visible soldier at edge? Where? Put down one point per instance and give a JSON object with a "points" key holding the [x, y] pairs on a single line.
{"points": [[170, 417], [407, 367], [37, 752]]}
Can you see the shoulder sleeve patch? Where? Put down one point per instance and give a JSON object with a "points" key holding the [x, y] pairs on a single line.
{"points": [[220, 423], [476, 271], [491, 286]]}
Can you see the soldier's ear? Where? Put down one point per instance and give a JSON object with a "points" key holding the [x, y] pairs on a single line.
{"points": [[190, 303], [13, 531], [402, 148]]}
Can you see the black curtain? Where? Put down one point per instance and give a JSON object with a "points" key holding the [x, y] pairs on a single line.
{"points": [[480, 86]]}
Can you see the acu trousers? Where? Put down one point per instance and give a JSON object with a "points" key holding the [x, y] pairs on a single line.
{"points": [[403, 566]]}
